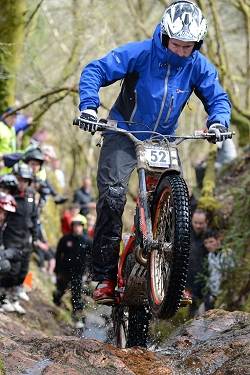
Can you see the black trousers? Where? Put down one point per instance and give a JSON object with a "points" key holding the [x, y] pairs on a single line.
{"points": [[18, 270], [71, 278], [116, 163]]}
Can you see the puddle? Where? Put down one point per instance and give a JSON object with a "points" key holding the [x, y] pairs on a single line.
{"points": [[38, 368]]}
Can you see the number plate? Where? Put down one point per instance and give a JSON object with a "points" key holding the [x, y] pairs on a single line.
{"points": [[159, 157]]}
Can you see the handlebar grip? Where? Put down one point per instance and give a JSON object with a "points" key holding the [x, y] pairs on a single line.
{"points": [[76, 121]]}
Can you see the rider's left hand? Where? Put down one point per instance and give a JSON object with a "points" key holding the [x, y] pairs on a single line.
{"points": [[217, 130]]}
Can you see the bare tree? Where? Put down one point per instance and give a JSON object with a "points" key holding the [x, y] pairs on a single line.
{"points": [[61, 37], [11, 44]]}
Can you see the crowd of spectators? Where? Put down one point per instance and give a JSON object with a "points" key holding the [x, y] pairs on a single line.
{"points": [[24, 192], [209, 262]]}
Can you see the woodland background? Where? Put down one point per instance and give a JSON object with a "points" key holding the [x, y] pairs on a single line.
{"points": [[44, 45]]}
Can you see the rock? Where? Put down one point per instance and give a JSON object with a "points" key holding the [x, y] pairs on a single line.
{"points": [[216, 343]]}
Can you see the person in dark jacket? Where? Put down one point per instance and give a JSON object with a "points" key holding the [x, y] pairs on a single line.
{"points": [[83, 196], [7, 206], [20, 227], [198, 254], [35, 157], [73, 259], [159, 76]]}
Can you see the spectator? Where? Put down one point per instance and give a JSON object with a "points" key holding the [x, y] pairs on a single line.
{"points": [[226, 153], [91, 219], [7, 206], [192, 199], [8, 183], [198, 253], [55, 165], [22, 122], [83, 197], [39, 137], [219, 263], [8, 136], [72, 261], [72, 211], [49, 154], [17, 234], [36, 158], [45, 254]]}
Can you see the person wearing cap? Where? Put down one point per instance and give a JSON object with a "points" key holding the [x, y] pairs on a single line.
{"points": [[8, 183], [35, 157], [158, 77], [73, 259], [7, 136]]}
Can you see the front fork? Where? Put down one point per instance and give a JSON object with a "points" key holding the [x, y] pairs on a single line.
{"points": [[141, 238], [145, 223]]}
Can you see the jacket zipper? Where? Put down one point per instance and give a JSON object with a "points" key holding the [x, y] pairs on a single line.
{"points": [[164, 98], [135, 107], [170, 109]]}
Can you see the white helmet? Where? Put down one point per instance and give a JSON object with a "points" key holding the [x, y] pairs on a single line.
{"points": [[183, 20]]}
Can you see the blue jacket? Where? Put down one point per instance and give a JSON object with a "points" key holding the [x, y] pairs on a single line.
{"points": [[156, 86]]}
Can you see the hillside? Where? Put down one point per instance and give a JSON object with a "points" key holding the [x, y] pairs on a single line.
{"points": [[233, 192], [46, 330]]}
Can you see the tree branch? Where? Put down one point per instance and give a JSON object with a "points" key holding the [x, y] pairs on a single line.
{"points": [[137, 19]]}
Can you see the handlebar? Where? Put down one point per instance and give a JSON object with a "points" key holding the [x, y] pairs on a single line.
{"points": [[106, 124]]}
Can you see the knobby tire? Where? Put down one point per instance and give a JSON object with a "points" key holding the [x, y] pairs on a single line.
{"points": [[131, 322], [131, 326], [167, 266]]}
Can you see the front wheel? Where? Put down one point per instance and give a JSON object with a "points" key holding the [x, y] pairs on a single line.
{"points": [[167, 266]]}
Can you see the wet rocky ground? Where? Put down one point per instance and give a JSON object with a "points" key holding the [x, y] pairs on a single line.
{"points": [[217, 343]]}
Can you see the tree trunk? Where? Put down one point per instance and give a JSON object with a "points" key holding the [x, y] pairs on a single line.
{"points": [[13, 19]]}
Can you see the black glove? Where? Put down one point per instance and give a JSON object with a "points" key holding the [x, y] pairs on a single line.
{"points": [[60, 199], [11, 254], [217, 130], [89, 115], [5, 267]]}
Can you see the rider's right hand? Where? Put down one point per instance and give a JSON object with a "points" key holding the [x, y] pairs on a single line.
{"points": [[89, 115], [216, 131]]}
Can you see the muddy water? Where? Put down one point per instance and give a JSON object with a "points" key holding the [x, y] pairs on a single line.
{"points": [[97, 323]]}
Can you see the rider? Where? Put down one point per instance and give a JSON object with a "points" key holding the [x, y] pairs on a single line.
{"points": [[159, 75]]}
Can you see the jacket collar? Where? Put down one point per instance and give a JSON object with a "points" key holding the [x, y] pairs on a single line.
{"points": [[167, 56]]}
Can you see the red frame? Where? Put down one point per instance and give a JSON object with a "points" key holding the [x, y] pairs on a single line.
{"points": [[150, 183]]}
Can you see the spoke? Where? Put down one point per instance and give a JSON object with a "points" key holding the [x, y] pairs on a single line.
{"points": [[162, 257]]}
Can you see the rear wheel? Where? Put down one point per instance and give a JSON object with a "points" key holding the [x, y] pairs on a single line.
{"points": [[120, 324], [131, 326], [167, 266], [131, 317]]}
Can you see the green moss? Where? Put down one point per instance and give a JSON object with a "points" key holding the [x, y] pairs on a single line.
{"points": [[160, 330], [236, 286], [2, 369], [243, 126]]}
